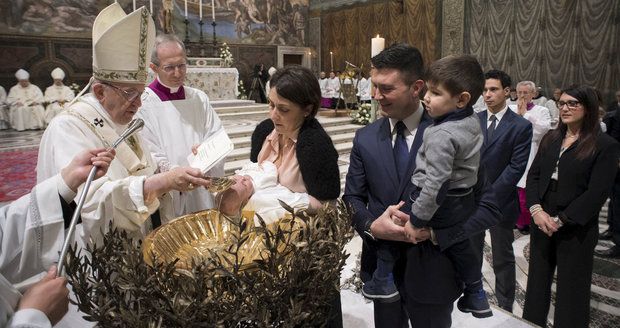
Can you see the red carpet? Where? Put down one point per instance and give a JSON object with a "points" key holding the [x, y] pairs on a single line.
{"points": [[17, 173]]}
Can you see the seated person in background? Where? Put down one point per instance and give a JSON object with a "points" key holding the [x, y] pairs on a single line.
{"points": [[25, 99], [446, 170], [257, 189], [4, 110], [57, 95]]}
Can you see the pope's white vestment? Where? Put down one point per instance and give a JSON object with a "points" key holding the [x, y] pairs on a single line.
{"points": [[171, 129], [56, 96], [116, 196], [31, 237], [25, 107]]}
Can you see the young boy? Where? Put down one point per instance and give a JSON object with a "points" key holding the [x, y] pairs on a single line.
{"points": [[257, 189], [446, 170]]}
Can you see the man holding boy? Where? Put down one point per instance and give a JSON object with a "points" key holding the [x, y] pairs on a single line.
{"points": [[382, 162]]}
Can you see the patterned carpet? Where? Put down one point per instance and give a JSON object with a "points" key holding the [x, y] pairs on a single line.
{"points": [[17, 173]]}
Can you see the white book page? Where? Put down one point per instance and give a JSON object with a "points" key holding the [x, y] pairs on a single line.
{"points": [[211, 151]]}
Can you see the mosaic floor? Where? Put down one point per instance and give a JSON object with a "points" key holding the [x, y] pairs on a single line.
{"points": [[357, 312]]}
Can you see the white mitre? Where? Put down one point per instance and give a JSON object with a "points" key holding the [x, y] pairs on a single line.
{"points": [[58, 74], [21, 74], [122, 44]]}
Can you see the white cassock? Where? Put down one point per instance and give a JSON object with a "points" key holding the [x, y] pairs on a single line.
{"points": [[323, 86], [171, 128], [28, 114], [333, 87], [56, 96], [541, 123], [554, 112], [268, 192], [363, 89], [119, 194], [31, 237], [4, 110]]}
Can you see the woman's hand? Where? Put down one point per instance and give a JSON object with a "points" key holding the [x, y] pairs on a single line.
{"points": [[545, 223]]}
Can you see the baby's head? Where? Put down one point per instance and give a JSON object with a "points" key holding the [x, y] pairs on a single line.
{"points": [[453, 82], [232, 200]]}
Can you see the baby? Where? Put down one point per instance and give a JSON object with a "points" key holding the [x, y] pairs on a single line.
{"points": [[257, 189]]}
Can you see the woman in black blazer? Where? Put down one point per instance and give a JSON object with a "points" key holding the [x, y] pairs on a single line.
{"points": [[569, 181]]}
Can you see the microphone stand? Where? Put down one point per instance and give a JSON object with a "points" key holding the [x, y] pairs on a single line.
{"points": [[134, 126]]}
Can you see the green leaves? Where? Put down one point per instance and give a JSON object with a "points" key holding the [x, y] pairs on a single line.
{"points": [[292, 284]]}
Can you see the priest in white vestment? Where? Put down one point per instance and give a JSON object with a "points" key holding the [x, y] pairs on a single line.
{"points": [[4, 111], [57, 95], [32, 231], [132, 192], [177, 118], [25, 104], [333, 88]]}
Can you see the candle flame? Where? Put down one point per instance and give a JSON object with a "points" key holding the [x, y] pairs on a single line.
{"points": [[377, 35]]}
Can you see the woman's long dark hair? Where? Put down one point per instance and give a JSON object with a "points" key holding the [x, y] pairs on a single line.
{"points": [[590, 126]]}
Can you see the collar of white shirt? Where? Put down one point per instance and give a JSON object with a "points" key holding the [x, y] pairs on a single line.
{"points": [[411, 122], [499, 115]]}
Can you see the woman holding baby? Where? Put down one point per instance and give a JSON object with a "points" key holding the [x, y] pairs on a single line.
{"points": [[294, 140]]}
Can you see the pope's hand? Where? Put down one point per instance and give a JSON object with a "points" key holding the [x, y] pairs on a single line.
{"points": [[179, 178], [77, 171], [50, 296]]}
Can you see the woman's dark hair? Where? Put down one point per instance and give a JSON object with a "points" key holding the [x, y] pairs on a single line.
{"points": [[298, 84], [590, 126]]}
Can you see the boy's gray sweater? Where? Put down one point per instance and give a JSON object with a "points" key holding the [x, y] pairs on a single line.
{"points": [[448, 159]]}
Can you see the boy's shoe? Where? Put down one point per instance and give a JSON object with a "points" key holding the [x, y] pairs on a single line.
{"points": [[476, 304], [381, 290]]}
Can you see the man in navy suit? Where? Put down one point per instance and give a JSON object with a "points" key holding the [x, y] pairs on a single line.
{"points": [[379, 177], [504, 155]]}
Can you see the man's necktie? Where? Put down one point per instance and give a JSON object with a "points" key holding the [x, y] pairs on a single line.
{"points": [[401, 150], [491, 128]]}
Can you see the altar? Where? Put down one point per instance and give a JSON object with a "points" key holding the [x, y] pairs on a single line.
{"points": [[218, 83]]}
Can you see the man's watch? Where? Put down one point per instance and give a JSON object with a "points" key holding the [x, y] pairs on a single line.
{"points": [[367, 231], [557, 221]]}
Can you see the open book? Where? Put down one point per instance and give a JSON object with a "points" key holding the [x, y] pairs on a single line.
{"points": [[211, 151]]}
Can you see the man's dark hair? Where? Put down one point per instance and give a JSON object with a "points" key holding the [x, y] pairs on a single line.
{"points": [[402, 57], [298, 84], [458, 73], [502, 76]]}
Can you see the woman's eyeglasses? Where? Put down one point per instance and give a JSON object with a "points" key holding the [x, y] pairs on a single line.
{"points": [[572, 104]]}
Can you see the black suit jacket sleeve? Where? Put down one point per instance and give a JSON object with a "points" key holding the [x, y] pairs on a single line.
{"points": [[589, 203], [485, 216], [356, 191], [505, 184]]}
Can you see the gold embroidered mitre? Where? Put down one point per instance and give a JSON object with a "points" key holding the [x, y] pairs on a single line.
{"points": [[122, 44]]}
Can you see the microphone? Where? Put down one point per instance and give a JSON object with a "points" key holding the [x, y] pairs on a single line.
{"points": [[134, 126], [348, 63]]}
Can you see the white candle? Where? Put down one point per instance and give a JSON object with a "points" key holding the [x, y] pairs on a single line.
{"points": [[185, 8], [151, 6], [213, 9], [200, 9], [134, 5], [331, 57], [377, 45]]}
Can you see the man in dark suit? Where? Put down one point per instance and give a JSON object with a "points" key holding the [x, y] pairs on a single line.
{"points": [[504, 155], [380, 175]]}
